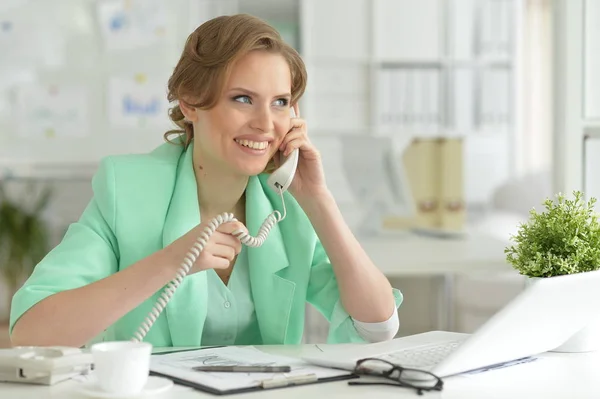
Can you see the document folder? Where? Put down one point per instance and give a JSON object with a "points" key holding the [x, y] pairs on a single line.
{"points": [[177, 366]]}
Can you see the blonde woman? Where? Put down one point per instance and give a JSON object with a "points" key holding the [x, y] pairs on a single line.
{"points": [[234, 86]]}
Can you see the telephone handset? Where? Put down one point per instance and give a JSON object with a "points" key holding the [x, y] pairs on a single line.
{"points": [[282, 177], [279, 181]]}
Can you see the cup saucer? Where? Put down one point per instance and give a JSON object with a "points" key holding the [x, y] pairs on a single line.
{"points": [[154, 386]]}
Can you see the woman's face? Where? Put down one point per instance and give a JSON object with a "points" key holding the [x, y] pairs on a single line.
{"points": [[251, 118]]}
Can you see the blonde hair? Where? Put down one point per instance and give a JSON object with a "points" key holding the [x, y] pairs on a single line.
{"points": [[207, 58]]}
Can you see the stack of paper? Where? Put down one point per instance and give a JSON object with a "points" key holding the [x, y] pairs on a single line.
{"points": [[179, 367]]}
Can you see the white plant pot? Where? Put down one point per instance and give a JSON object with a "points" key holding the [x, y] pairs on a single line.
{"points": [[586, 340]]}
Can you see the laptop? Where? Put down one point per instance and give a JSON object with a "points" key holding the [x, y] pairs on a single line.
{"points": [[541, 318]]}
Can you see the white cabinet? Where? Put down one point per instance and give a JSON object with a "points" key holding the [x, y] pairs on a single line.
{"points": [[421, 68], [337, 96], [461, 29], [408, 30], [417, 69], [343, 79], [335, 29]]}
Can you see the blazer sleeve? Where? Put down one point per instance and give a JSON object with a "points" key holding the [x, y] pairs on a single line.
{"points": [[87, 253], [323, 293]]}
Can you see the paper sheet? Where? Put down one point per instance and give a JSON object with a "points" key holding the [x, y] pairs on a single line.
{"points": [[137, 101], [52, 111], [130, 24], [500, 366], [180, 365]]}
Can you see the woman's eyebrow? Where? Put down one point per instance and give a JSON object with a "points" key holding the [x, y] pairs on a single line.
{"points": [[252, 93]]}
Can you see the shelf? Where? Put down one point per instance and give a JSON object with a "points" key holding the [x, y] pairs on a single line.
{"points": [[445, 62], [416, 133], [480, 62], [477, 133], [335, 61], [591, 124], [407, 62], [22, 171], [334, 131], [399, 62], [379, 131]]}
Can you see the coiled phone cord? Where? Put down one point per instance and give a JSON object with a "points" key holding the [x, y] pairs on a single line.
{"points": [[194, 252]]}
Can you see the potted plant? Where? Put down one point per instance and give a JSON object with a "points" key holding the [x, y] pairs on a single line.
{"points": [[563, 239], [24, 236]]}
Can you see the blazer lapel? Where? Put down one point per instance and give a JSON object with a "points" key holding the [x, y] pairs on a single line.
{"points": [[272, 293], [186, 311]]}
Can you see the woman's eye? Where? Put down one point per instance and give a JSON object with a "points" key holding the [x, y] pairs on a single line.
{"points": [[243, 99], [282, 102]]}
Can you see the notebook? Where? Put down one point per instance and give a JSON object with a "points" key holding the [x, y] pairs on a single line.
{"points": [[178, 366]]}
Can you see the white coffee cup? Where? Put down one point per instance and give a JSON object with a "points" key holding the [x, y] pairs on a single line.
{"points": [[121, 367]]}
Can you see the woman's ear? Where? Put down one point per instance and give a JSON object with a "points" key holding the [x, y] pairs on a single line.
{"points": [[190, 113]]}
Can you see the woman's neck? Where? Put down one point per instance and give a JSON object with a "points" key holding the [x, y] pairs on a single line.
{"points": [[219, 191]]}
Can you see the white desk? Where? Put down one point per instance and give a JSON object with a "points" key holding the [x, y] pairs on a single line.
{"points": [[415, 255], [554, 376], [407, 254]]}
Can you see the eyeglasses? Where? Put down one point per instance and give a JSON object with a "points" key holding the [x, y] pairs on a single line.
{"points": [[404, 377]]}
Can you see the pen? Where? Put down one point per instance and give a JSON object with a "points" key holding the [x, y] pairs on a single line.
{"points": [[291, 380], [244, 369]]}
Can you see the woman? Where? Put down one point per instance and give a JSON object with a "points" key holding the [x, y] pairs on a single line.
{"points": [[235, 84]]}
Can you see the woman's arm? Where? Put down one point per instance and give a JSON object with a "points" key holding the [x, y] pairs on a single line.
{"points": [[364, 291], [74, 317]]}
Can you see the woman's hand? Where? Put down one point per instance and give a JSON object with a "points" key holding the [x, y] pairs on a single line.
{"points": [[218, 253], [309, 180]]}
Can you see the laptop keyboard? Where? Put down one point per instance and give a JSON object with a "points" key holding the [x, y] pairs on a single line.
{"points": [[423, 357]]}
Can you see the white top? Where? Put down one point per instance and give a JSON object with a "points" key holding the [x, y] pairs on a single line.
{"points": [[377, 332], [231, 318]]}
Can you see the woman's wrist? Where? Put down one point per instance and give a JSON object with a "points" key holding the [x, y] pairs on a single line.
{"points": [[167, 261], [315, 204]]}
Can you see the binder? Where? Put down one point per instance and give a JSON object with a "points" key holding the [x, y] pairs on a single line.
{"points": [[435, 173], [421, 161], [265, 381], [451, 199]]}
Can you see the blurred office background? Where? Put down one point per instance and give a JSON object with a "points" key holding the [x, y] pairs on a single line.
{"points": [[441, 123]]}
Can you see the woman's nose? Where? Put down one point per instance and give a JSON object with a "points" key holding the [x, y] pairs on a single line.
{"points": [[262, 120]]}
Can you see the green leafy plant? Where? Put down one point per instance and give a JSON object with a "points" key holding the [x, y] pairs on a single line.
{"points": [[563, 239], [24, 235]]}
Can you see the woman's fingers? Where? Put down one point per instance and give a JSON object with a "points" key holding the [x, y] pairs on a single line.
{"points": [[227, 239], [222, 247], [220, 263], [223, 251], [232, 227]]}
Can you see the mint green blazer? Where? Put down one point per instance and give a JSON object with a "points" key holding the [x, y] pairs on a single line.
{"points": [[144, 202]]}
